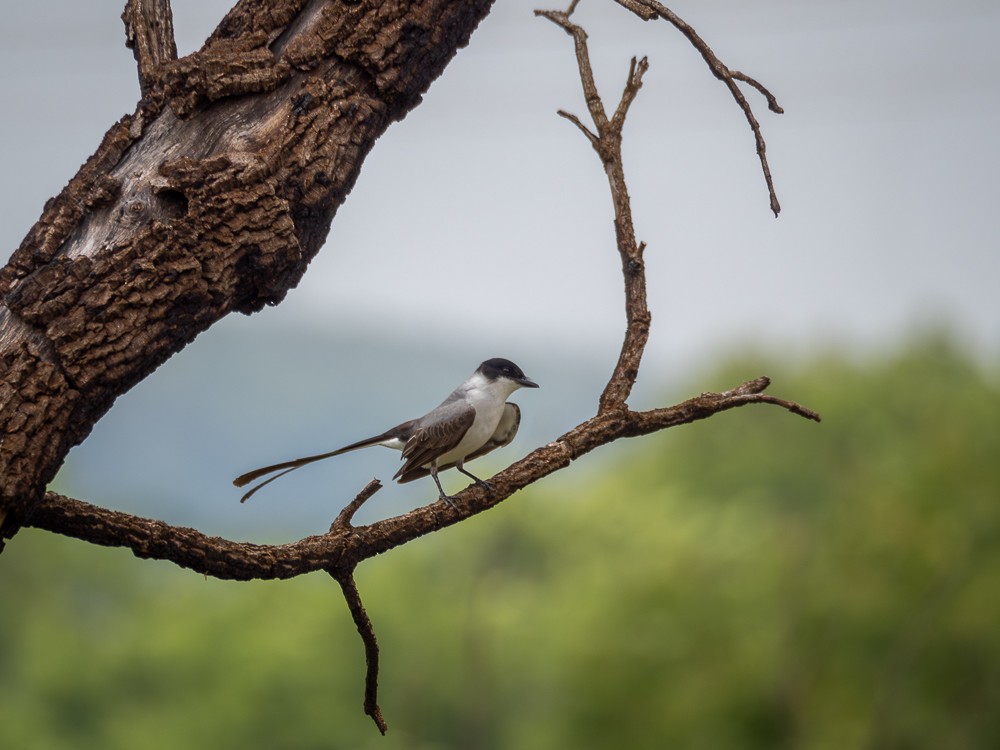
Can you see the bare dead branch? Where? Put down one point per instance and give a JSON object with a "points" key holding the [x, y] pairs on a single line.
{"points": [[772, 102], [343, 521], [632, 85], [751, 392], [594, 140], [186, 547], [367, 633], [149, 33], [594, 103], [345, 546], [650, 10], [608, 145]]}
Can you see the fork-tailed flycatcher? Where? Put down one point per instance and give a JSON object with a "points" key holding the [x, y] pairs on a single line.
{"points": [[474, 420]]}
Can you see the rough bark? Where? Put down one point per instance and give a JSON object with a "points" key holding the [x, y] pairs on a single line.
{"points": [[211, 198]]}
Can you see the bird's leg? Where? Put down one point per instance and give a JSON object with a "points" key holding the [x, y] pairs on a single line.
{"points": [[447, 499], [480, 482]]}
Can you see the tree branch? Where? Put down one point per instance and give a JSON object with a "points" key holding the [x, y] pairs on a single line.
{"points": [[367, 633], [650, 10], [343, 520], [344, 546], [608, 144], [594, 140], [149, 33], [341, 549]]}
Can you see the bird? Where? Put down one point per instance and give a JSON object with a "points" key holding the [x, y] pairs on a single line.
{"points": [[475, 419]]}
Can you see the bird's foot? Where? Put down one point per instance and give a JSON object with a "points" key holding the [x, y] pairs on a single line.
{"points": [[485, 484], [448, 500], [488, 486]]}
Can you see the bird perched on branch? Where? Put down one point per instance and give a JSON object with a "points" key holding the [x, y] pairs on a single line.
{"points": [[474, 420]]}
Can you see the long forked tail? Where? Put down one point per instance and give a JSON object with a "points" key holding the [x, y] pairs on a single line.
{"points": [[287, 466], [253, 490]]}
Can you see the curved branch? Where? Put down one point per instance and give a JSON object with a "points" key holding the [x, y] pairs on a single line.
{"points": [[345, 546], [650, 10], [343, 520], [364, 625]]}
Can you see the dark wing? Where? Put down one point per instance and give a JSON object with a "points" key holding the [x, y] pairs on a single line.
{"points": [[432, 439], [504, 433]]}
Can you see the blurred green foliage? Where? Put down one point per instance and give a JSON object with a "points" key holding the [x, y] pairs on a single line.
{"points": [[753, 581]]}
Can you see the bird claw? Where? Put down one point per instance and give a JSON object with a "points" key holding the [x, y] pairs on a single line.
{"points": [[449, 501]]}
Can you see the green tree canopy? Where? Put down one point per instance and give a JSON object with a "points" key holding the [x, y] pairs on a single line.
{"points": [[750, 582]]}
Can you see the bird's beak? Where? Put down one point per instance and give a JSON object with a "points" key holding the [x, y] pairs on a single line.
{"points": [[526, 383]]}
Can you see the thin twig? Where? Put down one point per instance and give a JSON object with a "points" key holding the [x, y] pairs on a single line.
{"points": [[637, 69], [707, 404], [343, 520], [594, 140], [367, 633], [649, 10], [793, 407], [772, 102], [594, 103]]}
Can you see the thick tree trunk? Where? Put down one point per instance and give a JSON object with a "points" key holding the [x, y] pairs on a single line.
{"points": [[212, 197]]}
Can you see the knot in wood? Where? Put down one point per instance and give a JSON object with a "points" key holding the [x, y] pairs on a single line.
{"points": [[135, 209]]}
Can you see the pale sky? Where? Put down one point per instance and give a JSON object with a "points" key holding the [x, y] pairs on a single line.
{"points": [[885, 162]]}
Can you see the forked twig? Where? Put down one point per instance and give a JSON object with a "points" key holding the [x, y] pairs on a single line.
{"points": [[650, 10], [607, 142]]}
